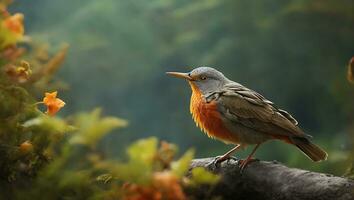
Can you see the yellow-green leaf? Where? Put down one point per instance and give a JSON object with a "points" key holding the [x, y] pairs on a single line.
{"points": [[92, 127], [143, 150], [201, 176], [52, 124], [181, 166]]}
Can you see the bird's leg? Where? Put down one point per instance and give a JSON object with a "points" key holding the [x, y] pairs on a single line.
{"points": [[226, 156], [243, 163]]}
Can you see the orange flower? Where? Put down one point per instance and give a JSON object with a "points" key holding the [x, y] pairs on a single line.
{"points": [[53, 103], [12, 30], [169, 185], [133, 191], [165, 185], [14, 23]]}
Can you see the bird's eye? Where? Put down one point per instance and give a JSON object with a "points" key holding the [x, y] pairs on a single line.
{"points": [[203, 78]]}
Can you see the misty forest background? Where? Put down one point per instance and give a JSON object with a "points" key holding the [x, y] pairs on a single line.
{"points": [[294, 52]]}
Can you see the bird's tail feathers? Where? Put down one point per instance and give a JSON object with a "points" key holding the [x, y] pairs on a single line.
{"points": [[311, 150]]}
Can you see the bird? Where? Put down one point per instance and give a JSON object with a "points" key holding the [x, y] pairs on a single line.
{"points": [[230, 112]]}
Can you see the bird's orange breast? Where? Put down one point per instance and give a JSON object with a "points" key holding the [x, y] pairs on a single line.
{"points": [[208, 118]]}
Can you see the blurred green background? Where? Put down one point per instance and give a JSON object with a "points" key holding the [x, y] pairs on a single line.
{"points": [[294, 52]]}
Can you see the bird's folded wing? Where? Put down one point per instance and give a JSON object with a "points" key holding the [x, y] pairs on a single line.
{"points": [[252, 110]]}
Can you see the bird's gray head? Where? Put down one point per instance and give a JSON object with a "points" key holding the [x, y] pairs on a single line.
{"points": [[206, 79]]}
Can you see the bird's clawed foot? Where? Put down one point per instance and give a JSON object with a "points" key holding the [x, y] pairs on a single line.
{"points": [[243, 163], [219, 159], [232, 158]]}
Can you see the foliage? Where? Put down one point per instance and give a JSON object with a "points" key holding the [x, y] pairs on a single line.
{"points": [[23, 148], [45, 156], [292, 51], [146, 174]]}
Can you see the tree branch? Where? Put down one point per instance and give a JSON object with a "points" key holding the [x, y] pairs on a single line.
{"points": [[272, 180]]}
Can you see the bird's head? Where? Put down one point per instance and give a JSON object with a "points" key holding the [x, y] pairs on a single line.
{"points": [[205, 79]]}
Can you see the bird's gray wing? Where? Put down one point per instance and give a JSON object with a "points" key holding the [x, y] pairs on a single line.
{"points": [[242, 105]]}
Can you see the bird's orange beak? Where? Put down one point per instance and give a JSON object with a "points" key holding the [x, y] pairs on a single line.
{"points": [[180, 75]]}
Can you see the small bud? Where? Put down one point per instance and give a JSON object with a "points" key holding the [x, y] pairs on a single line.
{"points": [[26, 147]]}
